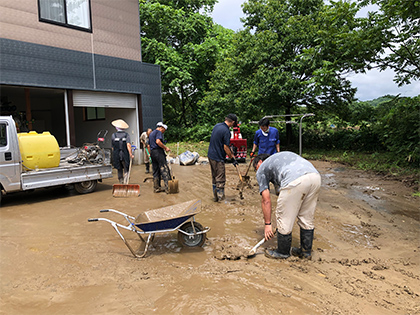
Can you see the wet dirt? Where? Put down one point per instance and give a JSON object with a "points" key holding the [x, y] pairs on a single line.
{"points": [[365, 260]]}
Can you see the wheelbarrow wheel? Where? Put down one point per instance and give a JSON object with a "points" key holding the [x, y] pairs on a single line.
{"points": [[194, 240]]}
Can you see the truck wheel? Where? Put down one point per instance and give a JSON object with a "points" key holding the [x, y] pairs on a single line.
{"points": [[85, 187]]}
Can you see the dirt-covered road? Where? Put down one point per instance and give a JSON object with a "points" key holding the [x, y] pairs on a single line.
{"points": [[366, 252]]}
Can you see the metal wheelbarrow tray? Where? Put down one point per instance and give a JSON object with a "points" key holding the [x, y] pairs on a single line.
{"points": [[178, 217]]}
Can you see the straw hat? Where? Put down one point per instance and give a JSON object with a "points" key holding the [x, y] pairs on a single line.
{"points": [[119, 123]]}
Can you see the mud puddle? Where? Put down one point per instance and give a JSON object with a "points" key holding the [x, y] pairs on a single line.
{"points": [[365, 252]]}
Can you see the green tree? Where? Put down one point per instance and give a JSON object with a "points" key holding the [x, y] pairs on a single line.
{"points": [[186, 44], [399, 127], [396, 24], [291, 53]]}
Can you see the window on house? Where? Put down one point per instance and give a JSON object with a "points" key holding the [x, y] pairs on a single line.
{"points": [[70, 13], [94, 113]]}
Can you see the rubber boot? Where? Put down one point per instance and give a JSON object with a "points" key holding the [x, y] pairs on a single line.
{"points": [[305, 249], [284, 242], [215, 198], [220, 194], [156, 185], [147, 168], [120, 176], [277, 189]]}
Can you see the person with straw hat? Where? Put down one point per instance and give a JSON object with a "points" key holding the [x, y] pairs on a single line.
{"points": [[121, 149]]}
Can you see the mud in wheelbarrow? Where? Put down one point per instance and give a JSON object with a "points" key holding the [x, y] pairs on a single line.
{"points": [[179, 217]]}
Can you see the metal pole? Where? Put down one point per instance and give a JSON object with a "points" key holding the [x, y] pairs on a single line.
{"points": [[300, 132], [66, 114]]}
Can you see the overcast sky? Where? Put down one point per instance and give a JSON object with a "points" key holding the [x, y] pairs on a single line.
{"points": [[369, 86]]}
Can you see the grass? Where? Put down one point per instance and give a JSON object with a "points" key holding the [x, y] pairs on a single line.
{"points": [[180, 147], [378, 162]]}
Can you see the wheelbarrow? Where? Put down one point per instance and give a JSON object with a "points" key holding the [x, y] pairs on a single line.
{"points": [[178, 217]]}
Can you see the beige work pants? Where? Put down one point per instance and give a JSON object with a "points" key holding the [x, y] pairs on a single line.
{"points": [[298, 200]]}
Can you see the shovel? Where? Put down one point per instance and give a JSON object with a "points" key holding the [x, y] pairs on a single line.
{"points": [[126, 190], [245, 178], [172, 182], [242, 182], [253, 250], [148, 154]]}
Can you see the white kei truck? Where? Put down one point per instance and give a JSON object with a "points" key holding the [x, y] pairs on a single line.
{"points": [[14, 177]]}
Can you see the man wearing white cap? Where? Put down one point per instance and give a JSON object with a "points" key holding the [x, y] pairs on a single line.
{"points": [[121, 149], [157, 153]]}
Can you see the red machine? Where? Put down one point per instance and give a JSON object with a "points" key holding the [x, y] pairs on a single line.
{"points": [[238, 145]]}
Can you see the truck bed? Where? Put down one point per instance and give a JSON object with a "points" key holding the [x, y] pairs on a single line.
{"points": [[65, 173]]}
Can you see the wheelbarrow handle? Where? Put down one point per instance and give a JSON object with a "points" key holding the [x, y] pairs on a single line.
{"points": [[104, 210], [92, 220]]}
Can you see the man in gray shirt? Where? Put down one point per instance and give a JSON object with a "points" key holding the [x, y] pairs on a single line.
{"points": [[299, 183]]}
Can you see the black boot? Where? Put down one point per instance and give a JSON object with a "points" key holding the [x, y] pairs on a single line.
{"points": [[220, 194], [306, 240], [147, 168], [215, 198], [156, 185], [284, 242]]}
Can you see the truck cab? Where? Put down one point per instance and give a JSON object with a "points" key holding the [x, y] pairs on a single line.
{"points": [[10, 160]]}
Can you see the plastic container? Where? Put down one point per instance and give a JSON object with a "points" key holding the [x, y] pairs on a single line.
{"points": [[39, 150]]}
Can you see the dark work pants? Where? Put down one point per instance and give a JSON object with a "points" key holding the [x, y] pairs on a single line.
{"points": [[159, 165], [218, 173]]}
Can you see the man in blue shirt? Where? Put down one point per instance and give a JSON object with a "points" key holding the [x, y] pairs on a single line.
{"points": [[268, 142], [300, 183], [266, 138], [218, 149]]}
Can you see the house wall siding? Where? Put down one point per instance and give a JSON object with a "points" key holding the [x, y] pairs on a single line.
{"points": [[115, 28], [28, 64]]}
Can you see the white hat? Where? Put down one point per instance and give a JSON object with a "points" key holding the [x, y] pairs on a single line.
{"points": [[160, 124], [119, 123]]}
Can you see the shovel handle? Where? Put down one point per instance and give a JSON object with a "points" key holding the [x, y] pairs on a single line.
{"points": [[237, 169], [249, 166], [254, 249]]}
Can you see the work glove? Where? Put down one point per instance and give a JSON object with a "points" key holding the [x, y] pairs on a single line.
{"points": [[235, 163], [252, 154]]}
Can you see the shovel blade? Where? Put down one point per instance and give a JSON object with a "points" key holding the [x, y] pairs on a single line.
{"points": [[173, 186], [129, 190]]}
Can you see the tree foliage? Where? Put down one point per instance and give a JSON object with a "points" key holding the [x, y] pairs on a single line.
{"points": [[291, 53], [396, 25], [186, 44]]}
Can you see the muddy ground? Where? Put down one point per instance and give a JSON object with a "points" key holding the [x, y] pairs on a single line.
{"points": [[366, 256]]}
